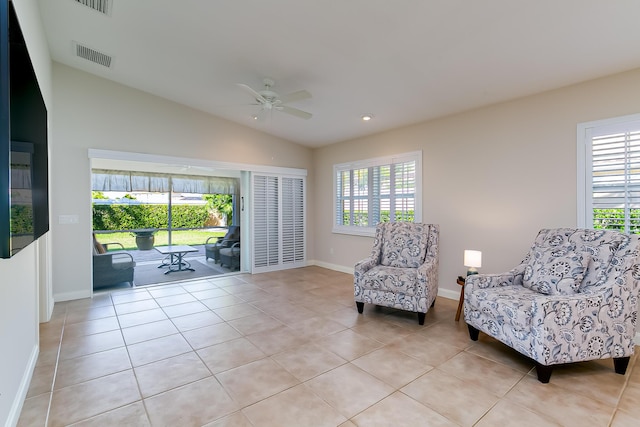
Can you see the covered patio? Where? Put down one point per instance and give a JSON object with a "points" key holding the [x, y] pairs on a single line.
{"points": [[149, 268]]}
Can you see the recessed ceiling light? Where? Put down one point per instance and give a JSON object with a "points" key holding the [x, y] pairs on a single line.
{"points": [[367, 117]]}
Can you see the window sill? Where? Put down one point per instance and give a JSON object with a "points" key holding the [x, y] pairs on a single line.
{"points": [[355, 231]]}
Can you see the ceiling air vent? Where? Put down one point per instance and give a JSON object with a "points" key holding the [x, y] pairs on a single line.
{"points": [[102, 6], [92, 55]]}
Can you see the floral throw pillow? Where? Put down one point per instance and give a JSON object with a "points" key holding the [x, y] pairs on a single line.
{"points": [[555, 271]]}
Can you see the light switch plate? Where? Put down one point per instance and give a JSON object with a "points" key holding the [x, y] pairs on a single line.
{"points": [[68, 219]]}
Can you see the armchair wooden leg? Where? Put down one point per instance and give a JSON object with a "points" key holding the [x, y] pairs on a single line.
{"points": [[620, 364], [421, 318], [544, 372], [473, 333], [360, 306]]}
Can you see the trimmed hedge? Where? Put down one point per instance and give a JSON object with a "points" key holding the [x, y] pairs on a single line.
{"points": [[128, 217], [361, 218], [614, 219]]}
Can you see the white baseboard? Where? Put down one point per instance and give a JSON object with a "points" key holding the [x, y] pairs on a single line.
{"points": [[21, 395], [335, 267], [70, 296], [448, 293]]}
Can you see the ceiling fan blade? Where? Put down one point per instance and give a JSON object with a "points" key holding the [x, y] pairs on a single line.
{"points": [[252, 92], [295, 112], [295, 96]]}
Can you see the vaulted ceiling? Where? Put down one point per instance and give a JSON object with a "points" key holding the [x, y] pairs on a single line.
{"points": [[402, 61]]}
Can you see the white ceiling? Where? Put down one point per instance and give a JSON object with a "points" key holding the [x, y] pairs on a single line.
{"points": [[404, 61]]}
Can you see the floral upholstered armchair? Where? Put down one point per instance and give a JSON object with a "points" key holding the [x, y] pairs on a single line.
{"points": [[573, 298], [402, 270]]}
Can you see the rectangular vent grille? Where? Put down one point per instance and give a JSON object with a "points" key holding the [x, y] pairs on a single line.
{"points": [[93, 55], [102, 6]]}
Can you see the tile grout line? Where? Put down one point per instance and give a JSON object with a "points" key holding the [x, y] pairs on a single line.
{"points": [[55, 370]]}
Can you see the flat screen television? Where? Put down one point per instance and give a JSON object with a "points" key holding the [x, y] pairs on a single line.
{"points": [[24, 199]]}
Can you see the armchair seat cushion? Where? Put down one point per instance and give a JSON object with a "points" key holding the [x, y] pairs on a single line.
{"points": [[391, 279], [122, 261], [507, 305]]}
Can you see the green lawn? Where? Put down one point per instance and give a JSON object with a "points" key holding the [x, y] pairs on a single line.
{"points": [[182, 237]]}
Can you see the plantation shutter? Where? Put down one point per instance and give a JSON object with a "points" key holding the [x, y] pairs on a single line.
{"points": [[265, 222], [615, 158], [292, 220], [404, 185], [278, 222]]}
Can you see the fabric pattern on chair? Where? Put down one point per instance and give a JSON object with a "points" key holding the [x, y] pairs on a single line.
{"points": [[402, 270], [555, 271], [593, 318]]}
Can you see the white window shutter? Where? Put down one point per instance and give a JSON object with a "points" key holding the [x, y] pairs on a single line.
{"points": [[265, 221], [616, 181], [293, 220], [278, 222]]}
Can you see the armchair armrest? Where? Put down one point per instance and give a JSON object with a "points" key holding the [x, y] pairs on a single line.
{"points": [[217, 238], [590, 319], [113, 257], [235, 248], [228, 243], [429, 263], [484, 281], [365, 265], [106, 245]]}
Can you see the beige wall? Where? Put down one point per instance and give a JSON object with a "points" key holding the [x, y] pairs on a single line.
{"points": [[492, 177], [92, 112]]}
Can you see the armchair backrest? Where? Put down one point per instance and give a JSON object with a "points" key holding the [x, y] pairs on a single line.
{"points": [[98, 248], [404, 244], [233, 233], [606, 249]]}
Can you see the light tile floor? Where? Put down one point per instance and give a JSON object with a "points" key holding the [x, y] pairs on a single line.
{"points": [[289, 349]]}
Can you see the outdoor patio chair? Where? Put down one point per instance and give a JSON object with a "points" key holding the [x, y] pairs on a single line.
{"points": [[111, 268], [213, 244], [231, 256]]}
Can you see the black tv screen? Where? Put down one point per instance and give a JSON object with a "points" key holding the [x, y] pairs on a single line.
{"points": [[24, 200]]}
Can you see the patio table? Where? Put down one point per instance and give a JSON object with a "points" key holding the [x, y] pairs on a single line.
{"points": [[174, 261]]}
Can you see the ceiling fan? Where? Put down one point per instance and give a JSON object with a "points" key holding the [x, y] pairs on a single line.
{"points": [[268, 100]]}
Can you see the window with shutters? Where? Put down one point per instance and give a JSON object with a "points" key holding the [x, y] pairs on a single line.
{"points": [[609, 174], [368, 192]]}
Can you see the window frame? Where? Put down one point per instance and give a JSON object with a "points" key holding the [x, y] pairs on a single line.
{"points": [[585, 133], [351, 167]]}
